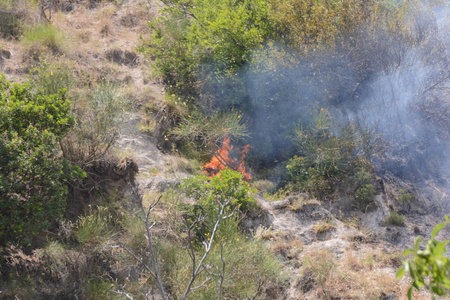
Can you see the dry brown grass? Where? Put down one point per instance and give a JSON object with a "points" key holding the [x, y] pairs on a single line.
{"points": [[323, 227], [366, 273], [268, 234], [289, 248]]}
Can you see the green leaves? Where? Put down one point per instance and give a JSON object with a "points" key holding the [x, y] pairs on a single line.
{"points": [[228, 187], [210, 194], [197, 43], [32, 173], [429, 267]]}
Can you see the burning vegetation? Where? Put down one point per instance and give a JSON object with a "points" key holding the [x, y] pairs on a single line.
{"points": [[224, 159]]}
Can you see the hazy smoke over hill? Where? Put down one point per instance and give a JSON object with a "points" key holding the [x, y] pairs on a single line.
{"points": [[409, 105], [405, 98]]}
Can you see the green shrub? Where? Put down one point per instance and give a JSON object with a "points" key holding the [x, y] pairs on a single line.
{"points": [[365, 190], [32, 173], [210, 193], [228, 187], [247, 263], [364, 195], [395, 219], [202, 44]]}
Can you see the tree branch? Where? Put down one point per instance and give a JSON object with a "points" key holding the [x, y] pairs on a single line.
{"points": [[196, 270], [145, 218]]}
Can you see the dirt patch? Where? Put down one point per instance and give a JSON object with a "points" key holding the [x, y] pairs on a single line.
{"points": [[121, 57]]}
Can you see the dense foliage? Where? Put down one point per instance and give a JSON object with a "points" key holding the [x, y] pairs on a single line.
{"points": [[228, 189], [33, 176], [274, 61]]}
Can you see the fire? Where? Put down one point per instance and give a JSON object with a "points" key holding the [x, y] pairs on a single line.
{"points": [[223, 160]]}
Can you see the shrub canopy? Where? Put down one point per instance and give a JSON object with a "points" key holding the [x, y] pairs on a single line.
{"points": [[32, 173]]}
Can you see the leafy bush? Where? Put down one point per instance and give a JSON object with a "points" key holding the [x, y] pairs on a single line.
{"points": [[228, 187], [210, 193], [198, 50], [200, 42], [364, 195], [209, 248], [32, 174], [248, 264], [429, 267], [395, 219]]}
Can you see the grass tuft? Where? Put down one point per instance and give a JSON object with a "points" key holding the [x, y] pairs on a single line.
{"points": [[46, 35], [95, 228]]}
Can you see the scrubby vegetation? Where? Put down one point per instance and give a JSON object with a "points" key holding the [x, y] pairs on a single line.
{"points": [[33, 178], [395, 219], [242, 56]]}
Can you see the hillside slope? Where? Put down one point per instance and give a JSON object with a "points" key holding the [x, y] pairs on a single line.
{"points": [[325, 249]]}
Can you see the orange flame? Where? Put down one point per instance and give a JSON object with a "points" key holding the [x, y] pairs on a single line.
{"points": [[222, 160]]}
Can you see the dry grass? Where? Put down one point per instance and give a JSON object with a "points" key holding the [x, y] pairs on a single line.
{"points": [[366, 273], [92, 33], [348, 278], [360, 284], [268, 234], [288, 248], [263, 186], [176, 163], [323, 227]]}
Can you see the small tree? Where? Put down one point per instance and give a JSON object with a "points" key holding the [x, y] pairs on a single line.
{"points": [[32, 173], [218, 199]]}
